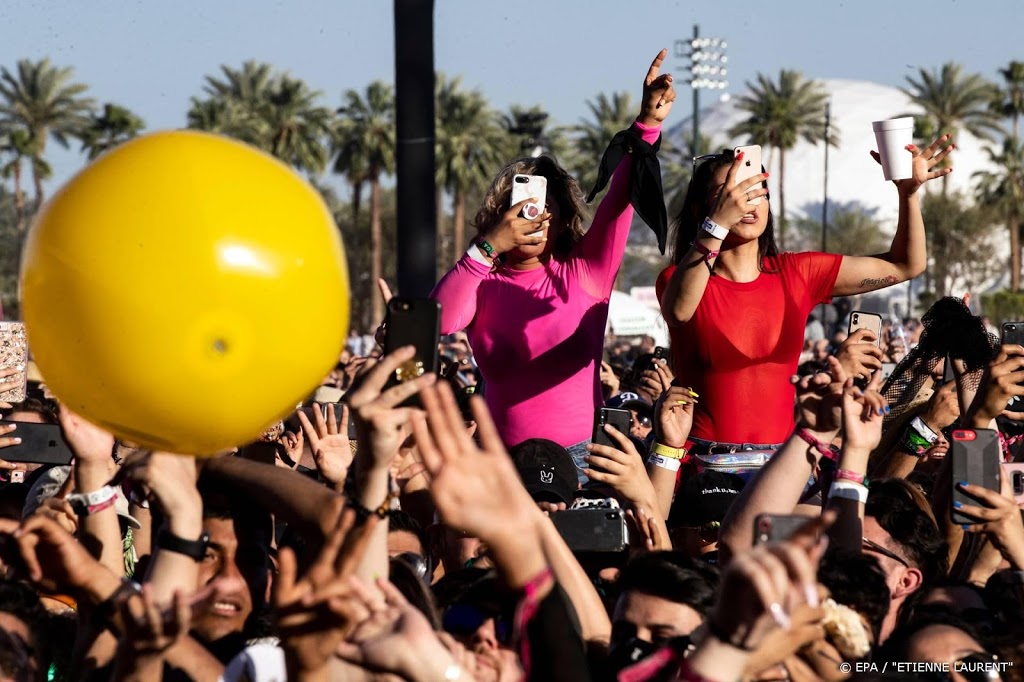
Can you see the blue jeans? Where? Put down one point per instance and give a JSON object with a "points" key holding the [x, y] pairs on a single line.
{"points": [[578, 452]]}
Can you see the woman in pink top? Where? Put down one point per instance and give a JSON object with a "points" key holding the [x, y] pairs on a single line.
{"points": [[534, 305]]}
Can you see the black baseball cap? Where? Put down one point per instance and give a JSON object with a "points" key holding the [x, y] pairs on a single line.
{"points": [[546, 469], [704, 498]]}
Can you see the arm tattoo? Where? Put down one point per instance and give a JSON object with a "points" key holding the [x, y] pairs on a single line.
{"points": [[878, 283]]}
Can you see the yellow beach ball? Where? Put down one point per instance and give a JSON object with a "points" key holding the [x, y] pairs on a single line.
{"points": [[184, 291]]}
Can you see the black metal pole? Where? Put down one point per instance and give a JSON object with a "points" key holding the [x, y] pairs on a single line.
{"points": [[696, 104], [414, 117]]}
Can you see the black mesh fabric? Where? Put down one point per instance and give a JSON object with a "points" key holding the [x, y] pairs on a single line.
{"points": [[950, 330]]}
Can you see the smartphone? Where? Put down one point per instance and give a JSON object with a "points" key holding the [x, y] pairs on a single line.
{"points": [[975, 457], [40, 443], [947, 371], [751, 166], [14, 354], [660, 353], [621, 419], [777, 527], [869, 321], [1013, 332], [593, 529], [1016, 472], [530, 187], [887, 369], [414, 322]]}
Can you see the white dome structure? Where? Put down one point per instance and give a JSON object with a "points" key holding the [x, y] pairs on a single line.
{"points": [[853, 174]]}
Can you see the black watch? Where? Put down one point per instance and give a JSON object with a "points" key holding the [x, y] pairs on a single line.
{"points": [[195, 549]]}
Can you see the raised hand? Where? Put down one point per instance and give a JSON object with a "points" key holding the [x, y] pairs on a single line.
{"points": [[7, 384], [53, 559], [655, 381], [673, 416], [93, 447], [999, 518], [1000, 383], [328, 441], [943, 408], [659, 94], [650, 529], [924, 162], [608, 379], [315, 613], [733, 201], [622, 468], [819, 399], [149, 630], [863, 412], [860, 355]]}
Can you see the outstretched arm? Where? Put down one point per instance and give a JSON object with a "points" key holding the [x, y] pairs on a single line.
{"points": [[908, 255]]}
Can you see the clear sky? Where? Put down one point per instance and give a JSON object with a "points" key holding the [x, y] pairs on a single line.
{"points": [[151, 55]]}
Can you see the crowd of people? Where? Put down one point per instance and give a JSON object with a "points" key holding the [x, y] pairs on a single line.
{"points": [[780, 504]]}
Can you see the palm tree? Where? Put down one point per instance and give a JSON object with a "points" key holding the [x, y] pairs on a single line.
{"points": [[40, 99], [272, 111], [1003, 191], [1009, 102], [779, 115], [298, 128], [529, 133], [19, 145], [112, 127], [470, 145], [610, 116], [955, 101], [367, 138]]}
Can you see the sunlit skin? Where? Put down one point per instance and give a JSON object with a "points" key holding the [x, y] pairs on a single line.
{"points": [[652, 619], [530, 256]]}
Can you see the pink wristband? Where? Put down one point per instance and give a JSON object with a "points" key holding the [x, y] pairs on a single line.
{"points": [[852, 476]]}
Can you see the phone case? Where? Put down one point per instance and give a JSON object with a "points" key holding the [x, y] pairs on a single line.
{"points": [[14, 353], [620, 419], [40, 443], [870, 321], [777, 527], [534, 187], [592, 530], [975, 458], [414, 322], [1016, 473], [1013, 333], [751, 166]]}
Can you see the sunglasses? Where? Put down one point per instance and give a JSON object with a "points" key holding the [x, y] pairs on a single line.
{"points": [[708, 532], [875, 547], [465, 619], [697, 160]]}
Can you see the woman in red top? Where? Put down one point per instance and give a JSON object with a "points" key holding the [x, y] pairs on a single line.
{"points": [[737, 307]]}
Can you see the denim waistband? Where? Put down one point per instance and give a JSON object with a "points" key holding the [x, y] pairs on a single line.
{"points": [[699, 446]]}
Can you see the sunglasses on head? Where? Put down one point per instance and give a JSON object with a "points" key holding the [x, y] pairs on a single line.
{"points": [[875, 547]]}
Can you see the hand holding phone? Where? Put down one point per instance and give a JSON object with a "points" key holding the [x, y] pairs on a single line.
{"points": [[777, 527], [975, 459], [414, 322], [13, 362], [620, 419], [749, 166], [870, 321]]}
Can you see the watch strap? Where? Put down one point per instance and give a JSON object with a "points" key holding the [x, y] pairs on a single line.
{"points": [[195, 549]]}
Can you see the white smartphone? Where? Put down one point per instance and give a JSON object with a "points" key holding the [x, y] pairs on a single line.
{"points": [[751, 165], [869, 321], [530, 187]]}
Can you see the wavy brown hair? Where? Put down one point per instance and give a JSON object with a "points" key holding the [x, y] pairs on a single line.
{"points": [[562, 187]]}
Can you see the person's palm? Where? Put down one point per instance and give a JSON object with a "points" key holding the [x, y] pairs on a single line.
{"points": [[333, 456]]}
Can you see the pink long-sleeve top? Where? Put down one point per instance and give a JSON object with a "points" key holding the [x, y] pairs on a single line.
{"points": [[538, 335]]}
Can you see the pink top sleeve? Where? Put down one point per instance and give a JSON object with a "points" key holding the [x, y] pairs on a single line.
{"points": [[456, 292], [598, 254]]}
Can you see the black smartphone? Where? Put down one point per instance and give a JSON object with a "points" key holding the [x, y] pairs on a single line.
{"points": [[592, 530], [414, 322], [619, 418], [40, 443], [974, 457], [777, 527], [1013, 332], [947, 371]]}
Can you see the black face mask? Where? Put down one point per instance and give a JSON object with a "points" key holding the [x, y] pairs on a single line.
{"points": [[629, 652]]}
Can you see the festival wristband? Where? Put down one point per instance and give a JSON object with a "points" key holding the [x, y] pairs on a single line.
{"points": [[476, 254], [924, 430], [666, 451], [914, 443], [714, 229], [847, 490], [668, 463], [85, 504], [822, 448], [484, 246]]}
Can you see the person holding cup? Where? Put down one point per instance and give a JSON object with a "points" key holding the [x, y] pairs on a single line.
{"points": [[736, 307]]}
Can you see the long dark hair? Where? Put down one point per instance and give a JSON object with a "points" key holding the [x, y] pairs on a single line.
{"points": [[695, 210]]}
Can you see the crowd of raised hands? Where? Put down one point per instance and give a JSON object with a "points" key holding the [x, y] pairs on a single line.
{"points": [[413, 546]]}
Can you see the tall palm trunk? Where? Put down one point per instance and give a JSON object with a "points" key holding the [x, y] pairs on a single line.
{"points": [[458, 222], [1014, 226], [37, 175], [19, 208], [375, 248], [782, 199], [357, 200]]}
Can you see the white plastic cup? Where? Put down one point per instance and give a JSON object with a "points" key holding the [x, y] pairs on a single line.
{"points": [[892, 137]]}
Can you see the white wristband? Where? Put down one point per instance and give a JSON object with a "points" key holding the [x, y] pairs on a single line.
{"points": [[918, 425], [848, 490], [664, 462], [714, 229]]}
